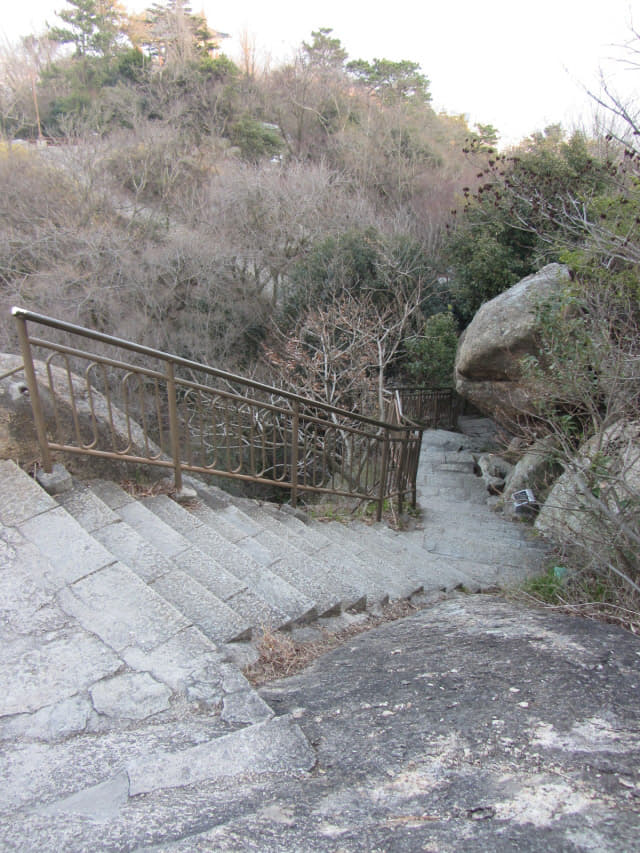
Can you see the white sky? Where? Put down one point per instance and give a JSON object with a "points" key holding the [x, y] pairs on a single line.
{"points": [[517, 65]]}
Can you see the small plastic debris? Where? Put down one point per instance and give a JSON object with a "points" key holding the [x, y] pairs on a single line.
{"points": [[525, 502]]}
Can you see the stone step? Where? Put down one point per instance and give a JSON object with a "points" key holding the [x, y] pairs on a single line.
{"points": [[313, 573], [398, 583], [121, 609], [247, 605], [197, 602], [339, 545], [213, 617], [344, 555], [260, 580], [94, 782], [433, 575], [97, 654]]}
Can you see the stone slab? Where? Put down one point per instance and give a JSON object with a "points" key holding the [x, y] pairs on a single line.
{"points": [[270, 747], [49, 671], [129, 547], [245, 707], [257, 612], [188, 662], [203, 609], [51, 723], [121, 609], [130, 695], [163, 537], [27, 586], [87, 508], [263, 582], [20, 496], [110, 493], [70, 550], [203, 568]]}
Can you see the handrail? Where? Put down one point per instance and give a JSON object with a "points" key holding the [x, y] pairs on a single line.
{"points": [[63, 326], [245, 430], [423, 406]]}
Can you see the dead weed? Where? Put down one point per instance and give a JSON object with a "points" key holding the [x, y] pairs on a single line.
{"points": [[281, 655]]}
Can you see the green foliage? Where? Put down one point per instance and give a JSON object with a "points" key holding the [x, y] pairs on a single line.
{"points": [[547, 587], [325, 51], [219, 68], [130, 63], [431, 355], [255, 139], [514, 220], [487, 255], [344, 263], [93, 27], [390, 80], [358, 263]]}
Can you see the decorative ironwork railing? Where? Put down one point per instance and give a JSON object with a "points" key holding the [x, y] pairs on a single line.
{"points": [[169, 411], [428, 408]]}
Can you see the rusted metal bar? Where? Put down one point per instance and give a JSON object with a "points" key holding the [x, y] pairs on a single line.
{"points": [[34, 395], [402, 462], [177, 361], [303, 445], [11, 372], [295, 425], [174, 426], [383, 476]]}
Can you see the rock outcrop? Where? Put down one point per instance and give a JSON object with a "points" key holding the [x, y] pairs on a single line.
{"points": [[594, 504], [488, 362]]}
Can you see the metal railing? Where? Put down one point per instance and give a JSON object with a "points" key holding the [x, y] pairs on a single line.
{"points": [[428, 408], [176, 413]]}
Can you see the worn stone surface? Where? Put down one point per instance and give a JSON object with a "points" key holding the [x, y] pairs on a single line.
{"points": [[476, 725], [65, 718], [266, 747], [40, 672], [131, 695], [245, 707], [187, 662], [121, 609], [503, 331], [25, 498]]}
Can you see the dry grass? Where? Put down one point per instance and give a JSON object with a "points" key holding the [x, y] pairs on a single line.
{"points": [[583, 592], [148, 490], [281, 655]]}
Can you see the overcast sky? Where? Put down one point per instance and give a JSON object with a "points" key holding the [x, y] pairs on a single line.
{"points": [[519, 66]]}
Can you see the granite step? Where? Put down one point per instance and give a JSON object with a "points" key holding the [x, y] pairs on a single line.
{"points": [[261, 580], [199, 603], [250, 609], [309, 569]]}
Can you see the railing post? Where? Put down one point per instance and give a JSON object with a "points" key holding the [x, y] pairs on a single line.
{"points": [[414, 468], [174, 428], [295, 428], [34, 395], [383, 475], [403, 468]]}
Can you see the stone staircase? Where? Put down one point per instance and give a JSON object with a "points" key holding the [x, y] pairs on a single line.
{"points": [[125, 621]]}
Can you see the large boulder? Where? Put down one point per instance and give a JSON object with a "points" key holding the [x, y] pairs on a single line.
{"points": [[594, 503], [488, 362]]}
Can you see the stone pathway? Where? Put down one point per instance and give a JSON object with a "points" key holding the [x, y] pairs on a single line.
{"points": [[123, 621]]}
